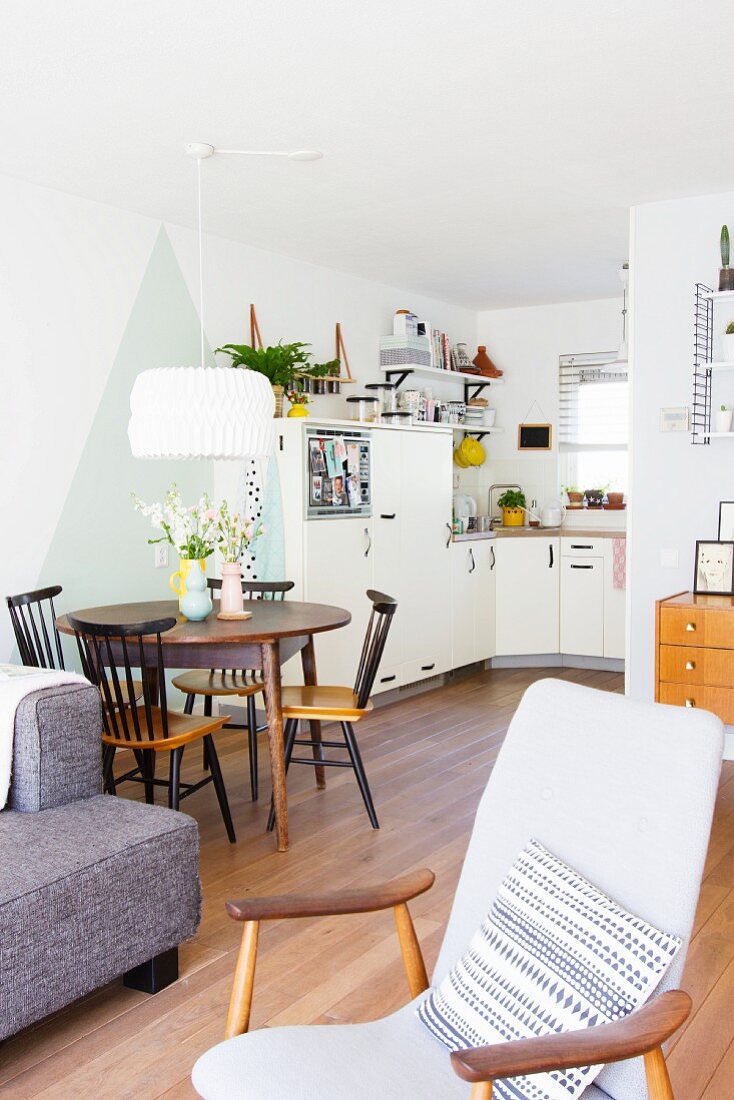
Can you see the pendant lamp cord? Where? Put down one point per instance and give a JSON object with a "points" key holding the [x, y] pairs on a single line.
{"points": [[201, 260]]}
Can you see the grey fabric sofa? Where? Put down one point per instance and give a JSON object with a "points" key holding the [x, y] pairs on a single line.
{"points": [[91, 886]]}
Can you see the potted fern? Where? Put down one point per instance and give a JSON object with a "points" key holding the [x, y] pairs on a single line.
{"points": [[726, 274], [282, 365], [512, 503]]}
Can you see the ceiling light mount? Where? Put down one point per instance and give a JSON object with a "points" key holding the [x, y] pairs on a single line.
{"points": [[200, 150]]}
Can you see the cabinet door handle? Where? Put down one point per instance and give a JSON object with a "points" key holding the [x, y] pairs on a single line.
{"points": [[690, 702], [427, 668], [582, 566], [473, 565], [448, 540], [690, 627], [581, 546], [492, 558], [550, 548], [388, 679], [690, 665], [387, 515], [369, 541]]}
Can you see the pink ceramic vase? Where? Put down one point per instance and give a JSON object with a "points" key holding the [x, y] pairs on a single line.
{"points": [[231, 599]]}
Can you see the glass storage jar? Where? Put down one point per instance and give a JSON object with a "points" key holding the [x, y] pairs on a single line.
{"points": [[386, 393], [365, 408]]}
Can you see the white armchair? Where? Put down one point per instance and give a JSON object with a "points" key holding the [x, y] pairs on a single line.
{"points": [[623, 792]]}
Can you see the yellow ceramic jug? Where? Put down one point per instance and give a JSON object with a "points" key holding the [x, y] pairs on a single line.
{"points": [[177, 580]]}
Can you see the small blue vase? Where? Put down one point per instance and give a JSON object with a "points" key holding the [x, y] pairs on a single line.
{"points": [[196, 604]]}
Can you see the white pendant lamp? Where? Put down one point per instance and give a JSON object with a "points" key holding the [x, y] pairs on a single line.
{"points": [[204, 412]]}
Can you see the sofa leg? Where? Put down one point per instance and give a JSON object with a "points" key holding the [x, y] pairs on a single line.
{"points": [[155, 974]]}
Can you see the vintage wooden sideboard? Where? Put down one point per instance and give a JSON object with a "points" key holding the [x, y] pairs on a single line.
{"points": [[694, 653]]}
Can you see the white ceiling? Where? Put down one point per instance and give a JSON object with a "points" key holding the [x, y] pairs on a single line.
{"points": [[483, 152]]}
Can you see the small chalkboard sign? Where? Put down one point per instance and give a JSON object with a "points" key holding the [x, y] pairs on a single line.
{"points": [[534, 437]]}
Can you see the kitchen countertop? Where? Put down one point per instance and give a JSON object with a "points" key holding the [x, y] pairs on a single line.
{"points": [[540, 532]]}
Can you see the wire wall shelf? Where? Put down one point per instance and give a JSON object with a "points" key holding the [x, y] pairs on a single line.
{"points": [[703, 345]]}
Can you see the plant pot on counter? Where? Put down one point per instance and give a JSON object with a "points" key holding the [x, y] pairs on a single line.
{"points": [[513, 517], [722, 420], [278, 392], [727, 347]]}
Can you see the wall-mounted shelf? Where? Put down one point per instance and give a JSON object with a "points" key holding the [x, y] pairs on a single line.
{"points": [[399, 374], [476, 433], [714, 295], [720, 435], [723, 364]]}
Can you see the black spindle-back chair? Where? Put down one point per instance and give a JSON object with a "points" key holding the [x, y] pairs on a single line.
{"points": [[233, 683], [34, 624], [342, 704], [108, 653]]}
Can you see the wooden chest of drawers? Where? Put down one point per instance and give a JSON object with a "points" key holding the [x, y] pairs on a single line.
{"points": [[694, 653]]}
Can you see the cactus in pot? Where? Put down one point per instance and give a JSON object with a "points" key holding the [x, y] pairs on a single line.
{"points": [[726, 273]]}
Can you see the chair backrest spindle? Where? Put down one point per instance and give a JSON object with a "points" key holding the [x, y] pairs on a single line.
{"points": [[380, 621], [38, 640]]}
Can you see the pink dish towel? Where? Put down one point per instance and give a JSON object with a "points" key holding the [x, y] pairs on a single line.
{"points": [[619, 563]]}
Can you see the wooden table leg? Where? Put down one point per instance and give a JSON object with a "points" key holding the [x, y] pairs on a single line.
{"points": [[308, 662], [271, 679]]}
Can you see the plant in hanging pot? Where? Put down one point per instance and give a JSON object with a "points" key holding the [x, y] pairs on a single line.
{"points": [[726, 273], [193, 531], [723, 419], [282, 365], [236, 535], [727, 343], [512, 503]]}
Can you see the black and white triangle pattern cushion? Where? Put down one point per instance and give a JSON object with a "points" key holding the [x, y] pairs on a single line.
{"points": [[554, 954]]}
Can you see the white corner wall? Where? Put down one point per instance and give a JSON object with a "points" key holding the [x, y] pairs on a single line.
{"points": [[675, 488], [525, 343]]}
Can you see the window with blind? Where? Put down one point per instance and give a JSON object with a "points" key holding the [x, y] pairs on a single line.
{"points": [[593, 420]]}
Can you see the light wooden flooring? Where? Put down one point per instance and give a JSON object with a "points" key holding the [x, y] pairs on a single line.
{"points": [[428, 759]]}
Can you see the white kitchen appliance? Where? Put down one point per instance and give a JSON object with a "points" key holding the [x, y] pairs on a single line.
{"points": [[464, 507]]}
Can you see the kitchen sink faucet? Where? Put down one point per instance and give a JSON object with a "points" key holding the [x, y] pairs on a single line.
{"points": [[494, 519]]}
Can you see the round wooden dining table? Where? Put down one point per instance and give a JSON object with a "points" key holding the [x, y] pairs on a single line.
{"points": [[275, 633]]}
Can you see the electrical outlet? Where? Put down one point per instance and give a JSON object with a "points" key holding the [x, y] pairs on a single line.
{"points": [[161, 555]]}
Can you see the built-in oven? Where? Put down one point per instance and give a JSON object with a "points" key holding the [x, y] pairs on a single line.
{"points": [[338, 473]]}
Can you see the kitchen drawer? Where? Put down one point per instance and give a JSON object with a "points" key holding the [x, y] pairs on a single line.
{"points": [[421, 669], [388, 677], [692, 665], [581, 548], [695, 626], [718, 700]]}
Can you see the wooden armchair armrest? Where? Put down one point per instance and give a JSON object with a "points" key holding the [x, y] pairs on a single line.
{"points": [[641, 1033], [368, 899]]}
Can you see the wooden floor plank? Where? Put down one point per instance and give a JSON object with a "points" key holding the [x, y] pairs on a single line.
{"points": [[428, 758]]}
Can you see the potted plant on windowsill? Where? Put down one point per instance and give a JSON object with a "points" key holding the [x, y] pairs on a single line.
{"points": [[575, 496], [512, 503], [282, 365]]}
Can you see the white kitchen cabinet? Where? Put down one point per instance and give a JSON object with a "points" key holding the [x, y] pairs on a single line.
{"points": [[339, 571], [582, 605], [387, 538], [424, 601], [473, 601], [528, 595]]}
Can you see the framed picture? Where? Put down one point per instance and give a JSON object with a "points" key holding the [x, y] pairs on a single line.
{"points": [[726, 520], [714, 572]]}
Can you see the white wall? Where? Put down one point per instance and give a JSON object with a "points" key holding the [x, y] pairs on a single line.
{"points": [[70, 272], [675, 487], [525, 343]]}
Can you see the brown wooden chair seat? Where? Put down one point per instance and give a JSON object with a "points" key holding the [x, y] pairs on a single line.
{"points": [[323, 703], [108, 653], [340, 704], [232, 682], [217, 682]]}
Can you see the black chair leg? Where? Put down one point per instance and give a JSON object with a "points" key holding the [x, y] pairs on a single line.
{"points": [[291, 729], [219, 787], [359, 771], [174, 780], [207, 714], [252, 739], [147, 770], [108, 758], [189, 704]]}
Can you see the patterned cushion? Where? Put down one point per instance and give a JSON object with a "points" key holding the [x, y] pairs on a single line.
{"points": [[555, 954]]}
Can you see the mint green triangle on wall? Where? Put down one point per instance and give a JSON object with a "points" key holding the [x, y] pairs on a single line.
{"points": [[99, 551]]}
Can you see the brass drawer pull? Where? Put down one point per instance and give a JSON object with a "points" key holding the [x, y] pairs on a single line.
{"points": [[690, 626], [690, 702], [690, 665]]}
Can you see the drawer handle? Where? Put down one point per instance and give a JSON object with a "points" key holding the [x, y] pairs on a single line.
{"points": [[690, 627], [387, 515], [427, 668], [690, 665], [582, 566], [690, 702], [582, 546], [388, 679]]}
